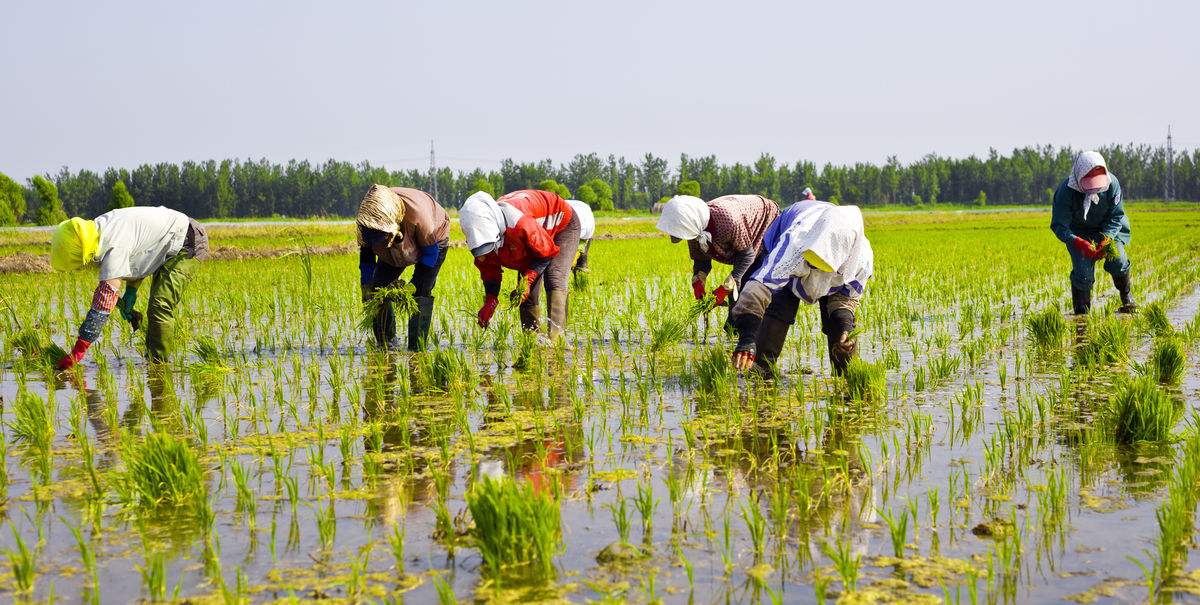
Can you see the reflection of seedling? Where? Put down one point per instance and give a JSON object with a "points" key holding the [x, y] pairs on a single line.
{"points": [[845, 562]]}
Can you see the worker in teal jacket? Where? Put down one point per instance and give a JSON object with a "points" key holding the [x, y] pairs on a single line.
{"points": [[1087, 215]]}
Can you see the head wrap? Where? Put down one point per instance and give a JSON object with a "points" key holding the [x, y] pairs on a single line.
{"points": [[381, 209], [74, 244], [482, 222], [685, 217], [1084, 163]]}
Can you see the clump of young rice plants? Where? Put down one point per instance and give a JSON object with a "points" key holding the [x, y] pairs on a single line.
{"points": [[400, 295], [865, 381], [1141, 411], [32, 423], [713, 371], [443, 370], [1154, 320], [161, 471], [515, 525], [1047, 328], [1107, 342], [1167, 361]]}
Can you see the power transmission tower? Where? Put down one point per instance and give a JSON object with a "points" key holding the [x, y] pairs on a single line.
{"points": [[1169, 181], [433, 170]]}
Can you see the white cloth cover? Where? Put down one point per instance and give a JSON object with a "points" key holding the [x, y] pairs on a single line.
{"points": [[1084, 163], [835, 235], [587, 220], [135, 242], [685, 217], [482, 221]]}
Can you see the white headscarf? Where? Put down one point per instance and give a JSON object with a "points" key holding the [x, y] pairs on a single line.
{"points": [[1085, 162], [685, 217], [482, 222], [832, 236]]}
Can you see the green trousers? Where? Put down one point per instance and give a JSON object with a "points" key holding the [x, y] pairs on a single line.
{"points": [[170, 280]]}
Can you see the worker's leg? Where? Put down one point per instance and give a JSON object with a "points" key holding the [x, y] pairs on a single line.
{"points": [[384, 324], [772, 332], [528, 310], [1083, 275], [557, 276], [424, 279], [170, 281], [837, 321], [1118, 268]]}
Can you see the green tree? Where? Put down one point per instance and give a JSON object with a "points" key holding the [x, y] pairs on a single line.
{"points": [[587, 195], [120, 196], [484, 185], [554, 186], [12, 201], [604, 194], [51, 210], [691, 188], [981, 199]]}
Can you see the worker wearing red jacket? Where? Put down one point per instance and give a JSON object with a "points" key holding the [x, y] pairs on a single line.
{"points": [[533, 232]]}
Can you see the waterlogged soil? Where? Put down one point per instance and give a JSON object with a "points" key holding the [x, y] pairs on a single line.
{"points": [[593, 423]]}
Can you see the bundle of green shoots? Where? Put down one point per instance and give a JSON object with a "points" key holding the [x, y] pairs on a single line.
{"points": [[31, 345], [399, 294], [702, 306], [1109, 248]]}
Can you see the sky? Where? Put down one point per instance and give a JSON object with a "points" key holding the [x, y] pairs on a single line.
{"points": [[119, 83]]}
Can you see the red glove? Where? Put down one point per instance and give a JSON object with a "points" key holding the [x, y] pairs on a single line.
{"points": [[75, 356], [698, 289], [1085, 247], [720, 294], [487, 310]]}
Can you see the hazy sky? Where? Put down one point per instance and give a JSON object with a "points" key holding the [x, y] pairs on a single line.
{"points": [[90, 84]]}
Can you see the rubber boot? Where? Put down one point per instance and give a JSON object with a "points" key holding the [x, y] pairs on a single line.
{"points": [[768, 344], [419, 323], [1122, 284], [1081, 300], [557, 300], [529, 317]]}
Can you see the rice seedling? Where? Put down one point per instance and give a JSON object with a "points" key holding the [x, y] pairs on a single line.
{"points": [[1141, 411], [1047, 329], [1154, 320], [400, 295], [897, 529], [865, 381], [1107, 342], [845, 561], [646, 503], [32, 422], [1167, 361], [515, 525], [22, 564], [161, 471]]}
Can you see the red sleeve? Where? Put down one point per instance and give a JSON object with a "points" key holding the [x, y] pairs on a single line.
{"points": [[489, 267], [537, 241]]}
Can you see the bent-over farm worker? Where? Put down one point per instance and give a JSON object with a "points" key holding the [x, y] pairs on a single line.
{"points": [[815, 252], [398, 227], [587, 230], [728, 229], [1088, 217], [130, 244], [535, 233]]}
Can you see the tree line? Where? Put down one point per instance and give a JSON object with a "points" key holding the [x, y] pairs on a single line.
{"points": [[259, 188]]}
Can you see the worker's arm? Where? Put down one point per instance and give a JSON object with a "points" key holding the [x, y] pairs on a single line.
{"points": [[1116, 216], [104, 299], [1060, 215], [366, 266]]}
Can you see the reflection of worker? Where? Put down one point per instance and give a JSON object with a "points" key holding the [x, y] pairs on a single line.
{"points": [[728, 229], [808, 194], [1088, 213], [533, 232], [587, 230], [815, 252], [130, 244], [398, 227]]}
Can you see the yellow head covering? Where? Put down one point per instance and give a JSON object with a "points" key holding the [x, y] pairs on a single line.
{"points": [[74, 244]]}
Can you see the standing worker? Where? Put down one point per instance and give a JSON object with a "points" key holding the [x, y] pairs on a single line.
{"points": [[130, 244], [587, 230], [815, 252], [533, 232], [1087, 214], [728, 229], [398, 227]]}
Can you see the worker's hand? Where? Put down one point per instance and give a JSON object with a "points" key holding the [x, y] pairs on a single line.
{"points": [[1088, 249], [720, 294], [698, 288], [487, 310], [743, 360], [524, 288], [845, 345], [75, 356], [135, 320]]}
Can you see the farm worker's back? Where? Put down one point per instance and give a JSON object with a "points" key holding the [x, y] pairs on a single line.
{"points": [[130, 244], [533, 232], [398, 227], [1089, 217]]}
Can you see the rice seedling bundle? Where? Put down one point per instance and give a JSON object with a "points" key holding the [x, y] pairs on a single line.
{"points": [[1107, 343], [1141, 411], [1047, 328], [865, 381], [1167, 361], [515, 525], [161, 471], [1109, 248], [400, 295], [1154, 319]]}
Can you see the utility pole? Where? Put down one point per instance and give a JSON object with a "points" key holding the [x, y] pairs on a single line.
{"points": [[1169, 181], [433, 170]]}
